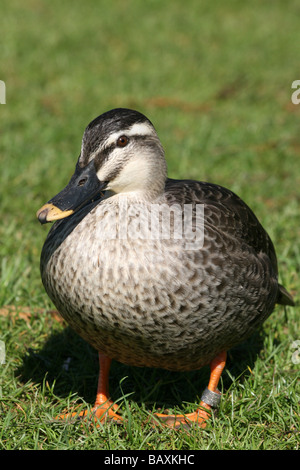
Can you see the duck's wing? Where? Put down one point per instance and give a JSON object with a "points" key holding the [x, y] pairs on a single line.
{"points": [[229, 214]]}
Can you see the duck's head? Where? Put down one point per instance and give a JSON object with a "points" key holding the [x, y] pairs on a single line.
{"points": [[120, 153]]}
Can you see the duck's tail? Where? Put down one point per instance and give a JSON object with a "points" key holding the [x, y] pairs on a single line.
{"points": [[284, 297]]}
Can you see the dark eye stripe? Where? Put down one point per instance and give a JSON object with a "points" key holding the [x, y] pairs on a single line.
{"points": [[103, 154]]}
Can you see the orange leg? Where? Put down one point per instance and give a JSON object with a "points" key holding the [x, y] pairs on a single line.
{"points": [[104, 408], [209, 399]]}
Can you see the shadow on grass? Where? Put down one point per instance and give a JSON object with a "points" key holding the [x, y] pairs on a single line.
{"points": [[70, 365]]}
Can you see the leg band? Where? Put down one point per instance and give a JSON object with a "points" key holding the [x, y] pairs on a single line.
{"points": [[211, 398]]}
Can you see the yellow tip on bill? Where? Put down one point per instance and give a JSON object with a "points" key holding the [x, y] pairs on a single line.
{"points": [[49, 213]]}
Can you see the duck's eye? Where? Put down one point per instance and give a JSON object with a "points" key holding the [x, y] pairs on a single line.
{"points": [[122, 141]]}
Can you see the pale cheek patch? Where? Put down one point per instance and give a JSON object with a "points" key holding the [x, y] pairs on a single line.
{"points": [[108, 169], [132, 177]]}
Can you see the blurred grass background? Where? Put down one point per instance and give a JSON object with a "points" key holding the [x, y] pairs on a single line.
{"points": [[215, 79]]}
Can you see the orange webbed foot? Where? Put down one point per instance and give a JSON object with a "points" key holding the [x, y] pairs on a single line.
{"points": [[210, 399], [104, 409], [99, 413], [198, 418]]}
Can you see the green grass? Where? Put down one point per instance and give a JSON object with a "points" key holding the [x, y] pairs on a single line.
{"points": [[215, 78]]}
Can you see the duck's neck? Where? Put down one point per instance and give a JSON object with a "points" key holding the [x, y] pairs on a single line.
{"points": [[151, 195]]}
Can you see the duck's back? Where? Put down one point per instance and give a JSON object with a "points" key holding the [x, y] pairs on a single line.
{"points": [[225, 212], [231, 216]]}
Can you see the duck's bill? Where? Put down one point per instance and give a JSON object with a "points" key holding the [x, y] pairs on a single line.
{"points": [[84, 186], [49, 213]]}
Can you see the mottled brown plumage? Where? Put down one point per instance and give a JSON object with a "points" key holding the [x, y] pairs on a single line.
{"points": [[154, 302]]}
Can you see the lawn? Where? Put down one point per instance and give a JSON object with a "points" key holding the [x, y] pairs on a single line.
{"points": [[215, 79]]}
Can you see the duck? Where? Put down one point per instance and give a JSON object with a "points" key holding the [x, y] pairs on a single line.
{"points": [[153, 271]]}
